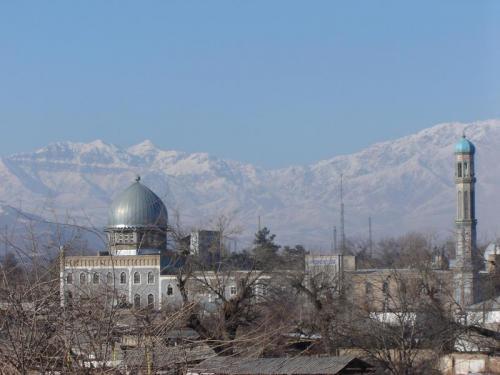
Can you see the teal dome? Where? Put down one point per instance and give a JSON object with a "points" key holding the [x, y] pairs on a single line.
{"points": [[464, 146], [137, 207]]}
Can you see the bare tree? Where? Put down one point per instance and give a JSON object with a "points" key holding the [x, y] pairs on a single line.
{"points": [[407, 321]]}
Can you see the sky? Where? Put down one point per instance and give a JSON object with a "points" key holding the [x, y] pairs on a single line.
{"points": [[272, 83]]}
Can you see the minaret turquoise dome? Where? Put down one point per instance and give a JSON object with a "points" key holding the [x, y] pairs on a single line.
{"points": [[464, 146]]}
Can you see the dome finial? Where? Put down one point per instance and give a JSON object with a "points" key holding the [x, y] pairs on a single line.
{"points": [[463, 134], [137, 178]]}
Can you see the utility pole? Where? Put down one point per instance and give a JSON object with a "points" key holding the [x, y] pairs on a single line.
{"points": [[259, 224]]}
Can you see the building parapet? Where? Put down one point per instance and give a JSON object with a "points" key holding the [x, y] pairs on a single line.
{"points": [[112, 261]]}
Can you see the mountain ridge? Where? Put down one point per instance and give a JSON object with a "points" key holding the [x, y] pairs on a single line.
{"points": [[404, 184]]}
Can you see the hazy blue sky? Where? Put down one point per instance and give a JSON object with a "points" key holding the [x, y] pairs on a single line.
{"points": [[269, 82]]}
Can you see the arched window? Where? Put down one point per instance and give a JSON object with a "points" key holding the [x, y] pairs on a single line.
{"points": [[151, 300], [368, 289], [137, 278], [465, 169], [95, 278], [459, 205], [151, 278], [69, 278], [466, 205], [109, 278], [264, 290], [170, 290], [69, 298], [123, 278], [137, 301], [82, 278], [459, 170]]}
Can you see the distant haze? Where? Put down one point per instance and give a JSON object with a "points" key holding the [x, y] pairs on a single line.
{"points": [[404, 185]]}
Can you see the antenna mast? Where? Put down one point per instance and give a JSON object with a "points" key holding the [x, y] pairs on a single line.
{"points": [[370, 238], [342, 227], [334, 239]]}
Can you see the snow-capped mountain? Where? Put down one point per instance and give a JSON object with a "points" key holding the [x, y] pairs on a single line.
{"points": [[404, 185]]}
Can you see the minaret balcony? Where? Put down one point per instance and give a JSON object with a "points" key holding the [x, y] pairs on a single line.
{"points": [[461, 222], [465, 180]]}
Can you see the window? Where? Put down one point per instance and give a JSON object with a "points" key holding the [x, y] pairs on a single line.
{"points": [[465, 169], [69, 298], [137, 278], [151, 278], [122, 301], [368, 289], [466, 205], [82, 278], [264, 290], [69, 278], [423, 290], [233, 290], [123, 278], [385, 287], [170, 290], [459, 205], [151, 300], [95, 278], [137, 301], [109, 278], [459, 170]]}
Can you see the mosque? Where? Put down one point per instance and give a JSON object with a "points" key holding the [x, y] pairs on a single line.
{"points": [[138, 266], [135, 262]]}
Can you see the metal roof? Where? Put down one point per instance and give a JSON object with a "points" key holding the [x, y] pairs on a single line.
{"points": [[278, 366], [165, 357], [137, 206]]}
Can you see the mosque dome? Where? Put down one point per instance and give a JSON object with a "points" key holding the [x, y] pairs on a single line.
{"points": [[137, 207], [464, 146]]}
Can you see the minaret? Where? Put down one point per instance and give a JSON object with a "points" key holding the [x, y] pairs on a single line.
{"points": [[466, 264]]}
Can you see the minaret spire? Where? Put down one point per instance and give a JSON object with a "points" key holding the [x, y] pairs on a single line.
{"points": [[466, 265]]}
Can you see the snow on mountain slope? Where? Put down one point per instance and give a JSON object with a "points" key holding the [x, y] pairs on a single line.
{"points": [[404, 185]]}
